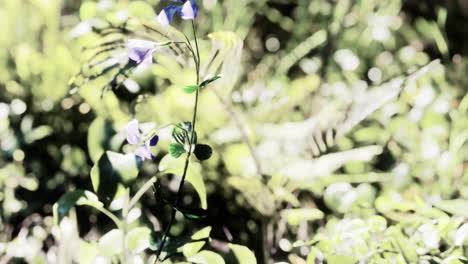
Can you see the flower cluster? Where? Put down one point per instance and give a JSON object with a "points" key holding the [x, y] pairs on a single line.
{"points": [[135, 137], [141, 51]]}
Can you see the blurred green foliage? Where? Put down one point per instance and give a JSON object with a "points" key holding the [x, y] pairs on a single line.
{"points": [[329, 145]]}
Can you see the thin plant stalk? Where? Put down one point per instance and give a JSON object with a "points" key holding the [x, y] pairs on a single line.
{"points": [[196, 58]]}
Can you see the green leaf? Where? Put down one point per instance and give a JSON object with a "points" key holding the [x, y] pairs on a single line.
{"points": [[341, 259], [88, 252], [176, 149], [137, 239], [295, 216], [65, 204], [111, 243], [191, 249], [257, 194], [141, 9], [194, 213], [195, 178], [458, 207], [99, 137], [206, 257], [172, 243], [191, 89], [37, 133], [112, 169], [243, 254], [210, 80], [179, 135], [88, 10], [89, 199], [203, 152], [182, 133], [169, 164]]}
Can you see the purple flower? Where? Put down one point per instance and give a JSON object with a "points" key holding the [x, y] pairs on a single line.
{"points": [[141, 51], [134, 137], [187, 11]]}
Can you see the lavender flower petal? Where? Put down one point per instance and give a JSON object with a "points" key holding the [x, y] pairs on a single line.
{"points": [[148, 59], [166, 15], [141, 51], [133, 132], [144, 152], [189, 10]]}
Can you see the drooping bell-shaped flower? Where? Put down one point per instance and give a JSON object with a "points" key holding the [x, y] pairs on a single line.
{"points": [[187, 11], [134, 137], [141, 51]]}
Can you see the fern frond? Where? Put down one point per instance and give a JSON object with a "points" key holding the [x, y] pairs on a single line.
{"points": [[322, 139]]}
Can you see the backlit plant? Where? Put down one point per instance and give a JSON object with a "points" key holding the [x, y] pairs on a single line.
{"points": [[133, 51]]}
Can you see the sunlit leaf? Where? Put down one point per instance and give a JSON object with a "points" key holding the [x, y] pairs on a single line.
{"points": [[37, 133], [88, 252], [141, 9], [206, 257], [255, 192], [191, 249], [112, 169], [169, 164], [341, 259], [99, 136], [457, 207], [296, 216], [243, 254], [137, 239], [111, 243]]}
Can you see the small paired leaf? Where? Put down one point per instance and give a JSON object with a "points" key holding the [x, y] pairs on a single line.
{"points": [[179, 135], [191, 88], [65, 204], [203, 152], [210, 80], [191, 249], [176, 150], [182, 133], [186, 126], [194, 213]]}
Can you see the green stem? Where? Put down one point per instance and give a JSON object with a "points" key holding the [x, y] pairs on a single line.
{"points": [[125, 210], [108, 214], [189, 153], [141, 191]]}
